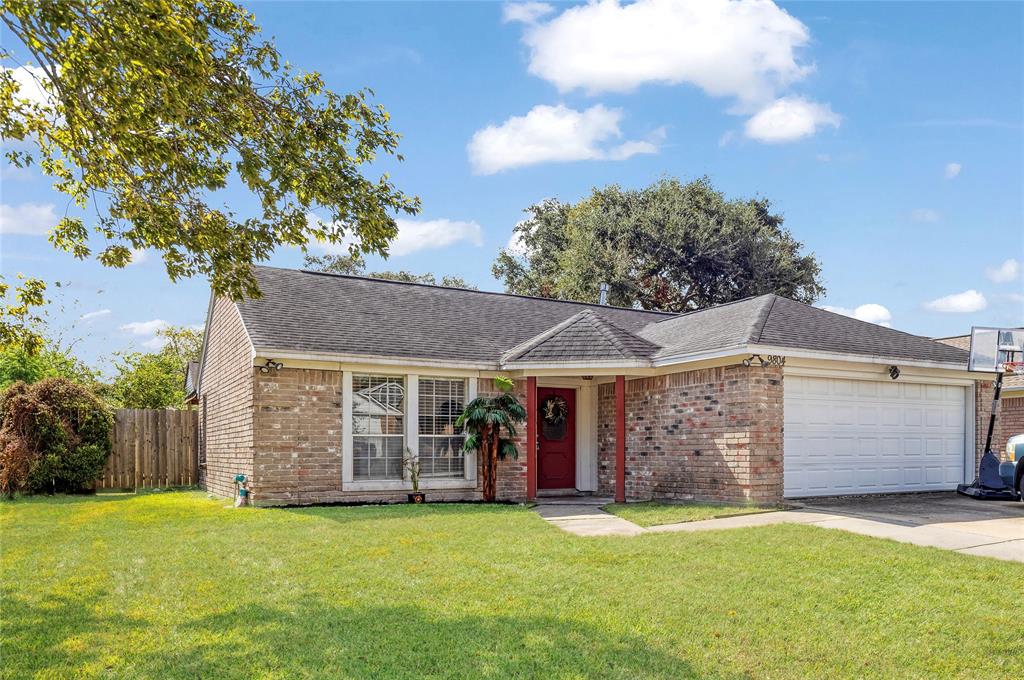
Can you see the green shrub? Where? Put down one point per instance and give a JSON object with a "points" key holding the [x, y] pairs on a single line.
{"points": [[55, 436]]}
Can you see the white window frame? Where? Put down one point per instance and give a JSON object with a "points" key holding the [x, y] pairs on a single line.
{"points": [[420, 435], [412, 439]]}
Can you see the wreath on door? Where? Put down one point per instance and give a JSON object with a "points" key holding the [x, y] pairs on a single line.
{"points": [[554, 410]]}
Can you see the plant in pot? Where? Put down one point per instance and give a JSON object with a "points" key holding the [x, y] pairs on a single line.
{"points": [[412, 466], [490, 426]]}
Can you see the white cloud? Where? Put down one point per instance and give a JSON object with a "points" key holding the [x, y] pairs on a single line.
{"points": [[92, 316], [12, 172], [145, 328], [414, 236], [925, 215], [525, 12], [27, 218], [554, 134], [30, 81], [959, 303], [1008, 271], [788, 119], [155, 343], [139, 255], [952, 170], [744, 49], [516, 246], [871, 312]]}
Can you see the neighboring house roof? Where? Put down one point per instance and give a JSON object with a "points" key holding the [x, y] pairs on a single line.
{"points": [[1010, 381], [585, 336], [191, 379], [332, 314]]}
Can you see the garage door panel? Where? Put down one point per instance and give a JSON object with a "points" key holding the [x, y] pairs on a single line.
{"points": [[851, 436]]}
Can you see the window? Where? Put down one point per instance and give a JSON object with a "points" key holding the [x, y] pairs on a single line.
{"points": [[378, 426], [440, 444]]}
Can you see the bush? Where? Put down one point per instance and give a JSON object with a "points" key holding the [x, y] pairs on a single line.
{"points": [[54, 437]]}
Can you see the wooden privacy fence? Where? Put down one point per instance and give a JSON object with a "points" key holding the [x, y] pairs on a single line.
{"points": [[153, 448]]}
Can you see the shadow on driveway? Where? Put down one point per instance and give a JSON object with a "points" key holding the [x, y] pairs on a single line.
{"points": [[917, 509]]}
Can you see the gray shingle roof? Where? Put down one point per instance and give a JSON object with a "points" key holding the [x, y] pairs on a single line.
{"points": [[794, 324], [350, 315], [781, 322], [584, 336], [709, 329]]}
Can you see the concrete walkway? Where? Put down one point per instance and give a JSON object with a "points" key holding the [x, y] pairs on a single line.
{"points": [[1000, 540], [586, 519]]}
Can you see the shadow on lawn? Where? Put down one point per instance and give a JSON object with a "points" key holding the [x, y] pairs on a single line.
{"points": [[66, 637], [347, 514]]}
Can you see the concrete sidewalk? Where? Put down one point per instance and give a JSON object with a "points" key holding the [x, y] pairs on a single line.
{"points": [[1000, 540], [996, 539]]}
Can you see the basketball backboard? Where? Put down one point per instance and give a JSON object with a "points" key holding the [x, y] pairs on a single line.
{"points": [[992, 347]]}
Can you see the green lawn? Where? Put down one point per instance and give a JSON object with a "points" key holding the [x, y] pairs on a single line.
{"points": [[652, 513], [175, 585]]}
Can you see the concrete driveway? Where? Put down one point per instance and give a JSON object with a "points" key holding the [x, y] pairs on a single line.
{"points": [[942, 519]]}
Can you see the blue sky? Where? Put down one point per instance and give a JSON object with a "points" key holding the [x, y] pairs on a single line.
{"points": [[891, 136]]}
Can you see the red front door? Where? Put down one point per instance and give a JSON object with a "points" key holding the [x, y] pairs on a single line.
{"points": [[556, 435]]}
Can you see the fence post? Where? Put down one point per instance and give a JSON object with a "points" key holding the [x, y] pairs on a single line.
{"points": [[138, 430]]}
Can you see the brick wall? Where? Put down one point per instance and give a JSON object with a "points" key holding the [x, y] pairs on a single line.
{"points": [[298, 444], [297, 436], [511, 472], [711, 434], [1010, 420], [227, 385]]}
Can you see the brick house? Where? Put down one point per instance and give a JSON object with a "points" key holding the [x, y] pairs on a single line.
{"points": [[316, 390]]}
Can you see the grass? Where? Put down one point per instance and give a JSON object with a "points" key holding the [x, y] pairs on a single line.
{"points": [[653, 513], [176, 585]]}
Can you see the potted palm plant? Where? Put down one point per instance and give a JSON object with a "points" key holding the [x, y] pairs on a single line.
{"points": [[490, 426], [412, 465]]}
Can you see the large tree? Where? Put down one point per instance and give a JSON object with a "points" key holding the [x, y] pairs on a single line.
{"points": [[143, 111], [356, 265], [669, 246], [157, 379]]}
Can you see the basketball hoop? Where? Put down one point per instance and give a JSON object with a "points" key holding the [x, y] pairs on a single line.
{"points": [[1014, 367]]}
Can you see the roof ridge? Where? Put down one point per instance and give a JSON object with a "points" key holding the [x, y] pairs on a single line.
{"points": [[531, 343], [680, 315], [761, 320], [468, 290], [605, 327]]}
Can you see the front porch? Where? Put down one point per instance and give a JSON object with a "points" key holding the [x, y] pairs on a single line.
{"points": [[564, 427]]}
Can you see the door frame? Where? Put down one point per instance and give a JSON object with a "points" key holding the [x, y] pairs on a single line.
{"points": [[586, 426]]}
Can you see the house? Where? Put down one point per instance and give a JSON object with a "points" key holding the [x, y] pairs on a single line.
{"points": [[1011, 401], [316, 391]]}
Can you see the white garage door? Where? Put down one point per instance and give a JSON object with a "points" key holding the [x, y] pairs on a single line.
{"points": [[860, 436]]}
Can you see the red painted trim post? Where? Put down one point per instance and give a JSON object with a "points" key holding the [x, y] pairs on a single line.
{"points": [[531, 438], [620, 439]]}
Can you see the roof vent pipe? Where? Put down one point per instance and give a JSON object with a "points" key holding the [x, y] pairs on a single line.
{"points": [[603, 300]]}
